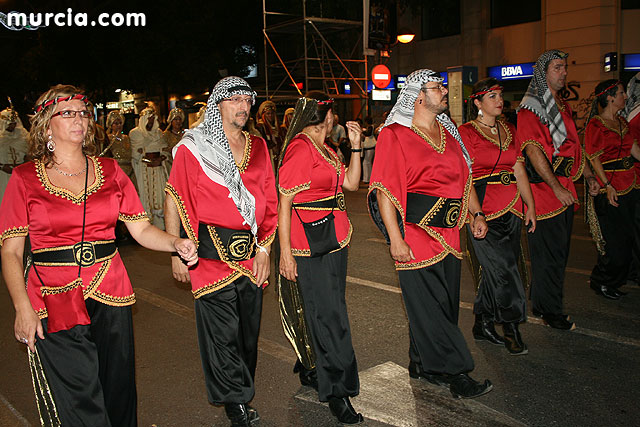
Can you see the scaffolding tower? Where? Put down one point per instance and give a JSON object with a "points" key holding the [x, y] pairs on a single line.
{"points": [[303, 53]]}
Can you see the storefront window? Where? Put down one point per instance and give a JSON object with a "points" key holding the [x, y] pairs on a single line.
{"points": [[504, 13], [440, 19]]}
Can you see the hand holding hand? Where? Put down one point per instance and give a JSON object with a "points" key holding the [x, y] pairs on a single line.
{"points": [[288, 266], [479, 227], [187, 250]]}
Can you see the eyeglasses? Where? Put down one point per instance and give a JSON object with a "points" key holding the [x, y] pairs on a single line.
{"points": [[239, 99], [439, 87], [71, 114]]}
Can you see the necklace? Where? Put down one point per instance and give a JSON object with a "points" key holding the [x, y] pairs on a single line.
{"points": [[494, 128], [61, 172]]}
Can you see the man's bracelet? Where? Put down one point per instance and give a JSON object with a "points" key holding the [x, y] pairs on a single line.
{"points": [[479, 213], [607, 184], [356, 150]]}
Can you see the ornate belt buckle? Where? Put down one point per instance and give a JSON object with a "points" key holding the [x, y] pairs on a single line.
{"points": [[341, 205], [452, 213], [84, 254], [240, 246], [568, 167], [627, 163], [505, 177]]}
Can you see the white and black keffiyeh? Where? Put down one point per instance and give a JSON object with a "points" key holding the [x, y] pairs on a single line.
{"points": [[539, 100], [402, 112], [632, 107], [210, 146]]}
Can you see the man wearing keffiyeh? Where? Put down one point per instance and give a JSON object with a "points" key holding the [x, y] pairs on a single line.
{"points": [[420, 195], [222, 194], [554, 159]]}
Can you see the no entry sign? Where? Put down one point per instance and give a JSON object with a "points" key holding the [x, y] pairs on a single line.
{"points": [[380, 76]]}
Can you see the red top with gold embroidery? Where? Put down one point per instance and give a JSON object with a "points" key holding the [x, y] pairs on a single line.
{"points": [[634, 128], [310, 175], [531, 131], [52, 216], [488, 158], [200, 200], [610, 145], [407, 163]]}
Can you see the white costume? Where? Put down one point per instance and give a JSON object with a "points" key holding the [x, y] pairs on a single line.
{"points": [[13, 145], [147, 148]]}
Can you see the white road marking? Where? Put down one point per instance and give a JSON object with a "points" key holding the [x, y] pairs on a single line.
{"points": [[22, 420], [387, 395], [530, 319]]}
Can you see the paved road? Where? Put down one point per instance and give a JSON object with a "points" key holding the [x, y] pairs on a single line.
{"points": [[587, 377]]}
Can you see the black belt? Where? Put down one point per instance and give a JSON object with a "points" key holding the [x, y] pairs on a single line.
{"points": [[623, 164], [225, 244], [88, 254], [503, 177], [561, 167], [369, 148], [432, 211], [327, 203]]}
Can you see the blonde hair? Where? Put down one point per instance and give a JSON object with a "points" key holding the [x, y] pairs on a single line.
{"points": [[40, 124]]}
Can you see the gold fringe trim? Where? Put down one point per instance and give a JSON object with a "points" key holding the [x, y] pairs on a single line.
{"points": [[97, 279], [14, 232], [55, 290], [580, 168], [552, 213], [63, 192], [113, 300], [534, 143], [214, 286], [142, 216], [269, 239], [494, 141], [182, 211], [501, 212], [443, 138], [246, 155], [294, 190], [427, 262], [625, 128], [594, 155], [465, 202], [380, 186]]}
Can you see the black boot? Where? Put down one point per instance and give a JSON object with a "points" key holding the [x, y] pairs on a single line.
{"points": [[341, 408], [513, 340], [308, 377], [483, 329], [241, 414], [462, 385]]}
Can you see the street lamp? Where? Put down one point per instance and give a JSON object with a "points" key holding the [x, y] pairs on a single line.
{"points": [[405, 35]]}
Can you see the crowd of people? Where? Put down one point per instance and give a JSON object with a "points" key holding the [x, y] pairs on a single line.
{"points": [[227, 191]]}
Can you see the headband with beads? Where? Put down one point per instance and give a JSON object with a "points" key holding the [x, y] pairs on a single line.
{"points": [[484, 92], [611, 86], [54, 101]]}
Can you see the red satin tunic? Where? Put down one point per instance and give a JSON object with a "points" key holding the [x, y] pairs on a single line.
{"points": [[609, 144], [407, 163], [532, 132], [200, 200], [310, 175], [488, 158], [52, 216], [634, 128]]}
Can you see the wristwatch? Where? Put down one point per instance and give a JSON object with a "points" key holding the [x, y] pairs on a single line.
{"points": [[479, 213]]}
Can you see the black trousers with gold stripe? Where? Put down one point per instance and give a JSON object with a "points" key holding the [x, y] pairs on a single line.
{"points": [[228, 322], [618, 228], [91, 368]]}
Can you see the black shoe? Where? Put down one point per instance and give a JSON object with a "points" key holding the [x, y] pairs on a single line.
{"points": [[463, 386], [416, 372], [240, 414], [484, 330], [605, 291], [513, 340], [308, 377], [341, 408], [618, 291], [558, 321]]}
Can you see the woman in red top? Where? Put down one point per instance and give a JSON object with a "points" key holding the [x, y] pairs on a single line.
{"points": [[610, 146], [311, 179], [74, 312], [500, 179]]}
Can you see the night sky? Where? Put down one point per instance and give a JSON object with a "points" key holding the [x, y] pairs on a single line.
{"points": [[180, 50]]}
